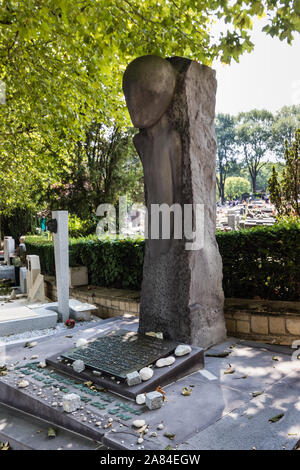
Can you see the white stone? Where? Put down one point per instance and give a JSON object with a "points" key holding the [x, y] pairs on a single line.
{"points": [[138, 423], [78, 365], [182, 350], [140, 399], [97, 373], [146, 373], [140, 440], [133, 378], [61, 253], [154, 400], [165, 361], [153, 434], [42, 365], [23, 384], [71, 402], [160, 427], [81, 342]]}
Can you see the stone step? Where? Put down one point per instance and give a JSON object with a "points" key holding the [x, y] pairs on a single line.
{"points": [[26, 432], [21, 318]]}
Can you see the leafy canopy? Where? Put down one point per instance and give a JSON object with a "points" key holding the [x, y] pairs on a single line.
{"points": [[62, 64]]}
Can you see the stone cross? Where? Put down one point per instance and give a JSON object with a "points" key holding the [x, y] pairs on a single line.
{"points": [[61, 254], [172, 102]]}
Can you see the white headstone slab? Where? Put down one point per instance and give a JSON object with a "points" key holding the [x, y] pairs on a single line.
{"points": [[23, 280], [9, 248], [33, 270], [61, 253]]}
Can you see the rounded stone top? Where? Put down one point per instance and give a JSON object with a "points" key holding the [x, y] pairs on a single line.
{"points": [[148, 85]]}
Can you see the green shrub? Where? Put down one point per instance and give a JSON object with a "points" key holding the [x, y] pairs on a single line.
{"points": [[262, 262], [111, 263]]}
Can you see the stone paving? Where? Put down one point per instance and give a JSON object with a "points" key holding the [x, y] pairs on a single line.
{"points": [[230, 404]]}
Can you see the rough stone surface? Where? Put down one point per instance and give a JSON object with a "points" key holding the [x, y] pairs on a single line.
{"points": [[71, 402], [78, 365], [182, 292], [165, 361], [133, 378], [259, 324], [154, 400], [293, 326], [182, 350], [146, 373]]}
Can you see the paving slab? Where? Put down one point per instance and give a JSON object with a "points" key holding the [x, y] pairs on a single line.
{"points": [[21, 319], [220, 412], [249, 427], [255, 368], [25, 432]]}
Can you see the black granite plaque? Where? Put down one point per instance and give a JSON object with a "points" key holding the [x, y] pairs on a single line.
{"points": [[121, 352]]}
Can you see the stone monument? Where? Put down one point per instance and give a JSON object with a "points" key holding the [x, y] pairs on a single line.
{"points": [[61, 254], [9, 249], [172, 102], [35, 280]]}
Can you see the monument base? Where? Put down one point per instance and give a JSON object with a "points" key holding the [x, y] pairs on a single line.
{"points": [[108, 358]]}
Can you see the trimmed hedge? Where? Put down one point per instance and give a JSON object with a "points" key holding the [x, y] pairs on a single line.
{"points": [[263, 262], [111, 263]]}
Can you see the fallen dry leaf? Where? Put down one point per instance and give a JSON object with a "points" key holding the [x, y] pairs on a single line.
{"points": [[161, 390], [4, 446], [51, 433], [169, 435], [186, 391], [256, 394], [276, 418], [230, 370]]}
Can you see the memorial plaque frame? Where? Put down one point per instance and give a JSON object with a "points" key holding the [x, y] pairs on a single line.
{"points": [[119, 353]]}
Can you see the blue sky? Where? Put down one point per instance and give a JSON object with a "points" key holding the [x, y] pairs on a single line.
{"points": [[269, 77]]}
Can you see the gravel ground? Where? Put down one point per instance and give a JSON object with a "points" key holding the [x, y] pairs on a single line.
{"points": [[46, 332]]}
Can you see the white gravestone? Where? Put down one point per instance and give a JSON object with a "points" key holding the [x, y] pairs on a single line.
{"points": [[9, 248], [23, 283], [61, 253], [35, 281]]}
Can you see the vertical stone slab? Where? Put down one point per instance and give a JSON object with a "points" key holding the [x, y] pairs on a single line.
{"points": [[9, 248], [61, 253], [172, 102]]}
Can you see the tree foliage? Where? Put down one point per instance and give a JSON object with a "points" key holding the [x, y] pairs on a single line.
{"points": [[62, 64], [285, 191], [253, 136], [225, 131], [236, 186]]}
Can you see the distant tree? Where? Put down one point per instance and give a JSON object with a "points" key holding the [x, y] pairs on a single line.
{"points": [[103, 167], [285, 191], [225, 131], [62, 62], [286, 121], [235, 186], [253, 136]]}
